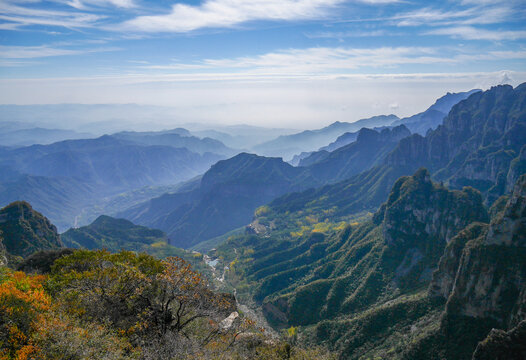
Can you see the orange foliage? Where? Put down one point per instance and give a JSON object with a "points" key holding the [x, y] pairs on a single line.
{"points": [[23, 300]]}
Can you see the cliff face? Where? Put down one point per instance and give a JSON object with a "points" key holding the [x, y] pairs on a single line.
{"points": [[418, 208], [491, 278], [3, 253], [26, 231], [444, 278], [502, 345], [479, 144], [420, 218], [482, 274]]}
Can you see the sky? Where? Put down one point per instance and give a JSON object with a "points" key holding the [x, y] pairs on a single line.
{"points": [[289, 63]]}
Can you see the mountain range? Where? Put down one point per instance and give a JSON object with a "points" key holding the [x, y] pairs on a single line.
{"points": [[433, 116], [62, 178], [479, 144], [357, 177], [226, 198], [408, 242], [287, 146]]}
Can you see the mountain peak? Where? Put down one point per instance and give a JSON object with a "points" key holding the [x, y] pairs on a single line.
{"points": [[416, 209], [26, 230]]}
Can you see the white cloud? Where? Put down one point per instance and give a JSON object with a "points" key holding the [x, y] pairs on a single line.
{"points": [[325, 60], [31, 52], [227, 13], [85, 4], [348, 34], [479, 14], [22, 16], [472, 33], [321, 60]]}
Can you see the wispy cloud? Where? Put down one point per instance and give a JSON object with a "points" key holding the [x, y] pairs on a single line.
{"points": [[478, 14], [32, 52], [321, 60], [18, 16], [348, 34], [227, 13], [86, 4], [472, 33]]}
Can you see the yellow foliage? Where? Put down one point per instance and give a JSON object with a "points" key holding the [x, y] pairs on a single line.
{"points": [[292, 331], [311, 219], [158, 244], [301, 232], [23, 300], [262, 210], [340, 226]]}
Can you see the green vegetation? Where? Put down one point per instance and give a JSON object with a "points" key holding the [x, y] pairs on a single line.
{"points": [[98, 305], [120, 234], [25, 230], [362, 290]]}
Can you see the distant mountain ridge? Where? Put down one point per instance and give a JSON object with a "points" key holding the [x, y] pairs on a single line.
{"points": [[62, 178], [367, 169], [38, 135], [310, 140], [369, 150], [479, 144], [177, 138], [435, 114]]}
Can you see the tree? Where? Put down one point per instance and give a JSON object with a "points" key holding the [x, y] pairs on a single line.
{"points": [[147, 299]]}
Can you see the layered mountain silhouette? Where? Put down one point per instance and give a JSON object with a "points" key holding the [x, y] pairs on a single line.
{"points": [[178, 138], [61, 179], [226, 198], [367, 168], [479, 144], [419, 123], [288, 145], [435, 114]]}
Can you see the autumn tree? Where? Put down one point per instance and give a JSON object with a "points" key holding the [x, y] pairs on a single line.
{"points": [[147, 299]]}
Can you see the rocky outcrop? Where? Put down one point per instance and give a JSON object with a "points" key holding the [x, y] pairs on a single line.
{"points": [[509, 227], [419, 219], [517, 168], [491, 278], [419, 209], [502, 345], [444, 278], [26, 231], [3, 252]]}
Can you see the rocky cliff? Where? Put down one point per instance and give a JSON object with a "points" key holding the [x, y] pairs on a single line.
{"points": [[491, 278], [482, 274], [26, 230]]}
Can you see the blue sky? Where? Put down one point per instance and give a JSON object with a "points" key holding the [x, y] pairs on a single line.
{"points": [[290, 62]]}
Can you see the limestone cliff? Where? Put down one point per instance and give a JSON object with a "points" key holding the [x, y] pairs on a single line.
{"points": [[491, 278]]}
